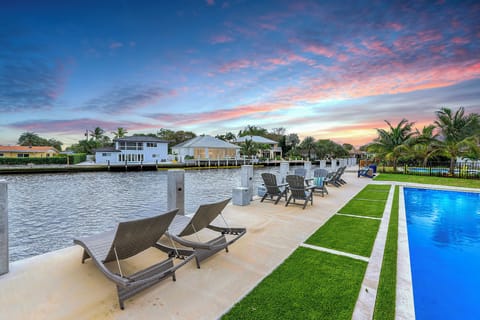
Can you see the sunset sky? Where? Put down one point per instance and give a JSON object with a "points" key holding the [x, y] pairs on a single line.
{"points": [[328, 69]]}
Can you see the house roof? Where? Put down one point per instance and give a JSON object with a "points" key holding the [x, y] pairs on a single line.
{"points": [[28, 149], [256, 139], [140, 139], [206, 142], [107, 149]]}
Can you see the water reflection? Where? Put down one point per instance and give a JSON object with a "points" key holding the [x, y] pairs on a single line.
{"points": [[47, 211]]}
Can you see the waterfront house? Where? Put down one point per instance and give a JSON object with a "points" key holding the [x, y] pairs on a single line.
{"points": [[272, 152], [27, 152], [206, 147], [134, 149]]}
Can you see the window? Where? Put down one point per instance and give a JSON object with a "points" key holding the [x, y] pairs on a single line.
{"points": [[1, 154], [119, 157], [23, 155], [151, 145], [106, 154]]}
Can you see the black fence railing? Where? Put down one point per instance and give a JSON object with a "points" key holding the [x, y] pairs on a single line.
{"points": [[466, 170]]}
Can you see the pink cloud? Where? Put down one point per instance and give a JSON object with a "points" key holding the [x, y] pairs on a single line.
{"points": [[377, 46], [458, 40], [395, 26], [210, 2], [221, 39], [236, 65], [319, 50], [267, 26]]}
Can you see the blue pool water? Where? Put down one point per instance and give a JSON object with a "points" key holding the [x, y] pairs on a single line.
{"points": [[444, 241]]}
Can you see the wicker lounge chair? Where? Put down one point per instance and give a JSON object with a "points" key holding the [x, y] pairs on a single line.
{"points": [[183, 226], [319, 176], [299, 191], [127, 240], [273, 189]]}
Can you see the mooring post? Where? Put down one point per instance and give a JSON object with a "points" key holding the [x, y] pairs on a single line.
{"points": [[3, 227], [307, 165], [247, 180], [284, 167], [176, 190]]}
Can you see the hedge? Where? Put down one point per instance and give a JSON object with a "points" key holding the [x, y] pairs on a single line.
{"points": [[61, 159]]}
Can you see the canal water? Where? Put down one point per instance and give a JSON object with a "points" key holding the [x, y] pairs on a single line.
{"points": [[47, 211]]}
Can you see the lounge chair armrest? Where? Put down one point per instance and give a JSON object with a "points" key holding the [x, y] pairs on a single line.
{"points": [[310, 187], [225, 230], [188, 243]]}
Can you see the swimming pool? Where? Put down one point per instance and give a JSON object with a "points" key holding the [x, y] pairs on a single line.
{"points": [[444, 241]]}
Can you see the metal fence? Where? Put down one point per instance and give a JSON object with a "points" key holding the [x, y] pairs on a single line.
{"points": [[466, 170]]}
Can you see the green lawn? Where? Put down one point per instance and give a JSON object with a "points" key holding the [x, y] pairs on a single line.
{"points": [[444, 181], [364, 208], [347, 234], [308, 285], [386, 293]]}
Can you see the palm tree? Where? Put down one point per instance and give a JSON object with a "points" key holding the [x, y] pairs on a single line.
{"points": [[120, 133], [253, 131], [459, 133], [308, 144], [249, 148], [97, 133], [422, 146], [388, 143]]}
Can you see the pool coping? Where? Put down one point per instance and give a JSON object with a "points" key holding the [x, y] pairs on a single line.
{"points": [[405, 306]]}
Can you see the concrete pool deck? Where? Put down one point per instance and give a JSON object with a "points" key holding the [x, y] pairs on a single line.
{"points": [[57, 285]]}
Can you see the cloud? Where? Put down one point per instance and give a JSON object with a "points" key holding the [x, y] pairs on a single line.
{"points": [[127, 98], [210, 2], [30, 85], [75, 126], [115, 45], [221, 39]]}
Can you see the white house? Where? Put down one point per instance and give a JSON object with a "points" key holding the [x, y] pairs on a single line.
{"points": [[135, 149], [272, 153], [206, 147]]}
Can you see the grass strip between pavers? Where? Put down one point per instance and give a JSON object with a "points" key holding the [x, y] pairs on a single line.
{"points": [[364, 208], [308, 285], [386, 292], [347, 234]]}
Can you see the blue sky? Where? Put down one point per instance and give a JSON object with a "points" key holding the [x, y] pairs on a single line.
{"points": [[327, 69]]}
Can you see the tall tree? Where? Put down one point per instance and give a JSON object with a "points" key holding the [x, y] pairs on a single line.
{"points": [[249, 148], [97, 133], [120, 133], [387, 144], [308, 145], [253, 131], [459, 133]]}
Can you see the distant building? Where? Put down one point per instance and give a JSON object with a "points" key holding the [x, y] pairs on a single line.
{"points": [[27, 152], [206, 147], [271, 153], [135, 149]]}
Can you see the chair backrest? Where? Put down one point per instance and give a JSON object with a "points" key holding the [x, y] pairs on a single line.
{"points": [[320, 173], [300, 172], [133, 237], [270, 182], [296, 186], [204, 215]]}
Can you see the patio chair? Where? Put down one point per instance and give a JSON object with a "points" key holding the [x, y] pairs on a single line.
{"points": [[127, 240], [303, 173], [273, 189], [184, 226], [298, 190], [319, 176]]}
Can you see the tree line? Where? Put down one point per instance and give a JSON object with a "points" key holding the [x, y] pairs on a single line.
{"points": [[453, 135]]}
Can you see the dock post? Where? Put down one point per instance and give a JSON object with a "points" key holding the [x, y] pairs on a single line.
{"points": [[307, 165], [247, 179], [3, 227], [284, 167], [176, 190]]}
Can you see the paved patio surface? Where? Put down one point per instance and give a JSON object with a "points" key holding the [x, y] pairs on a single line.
{"points": [[57, 285]]}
